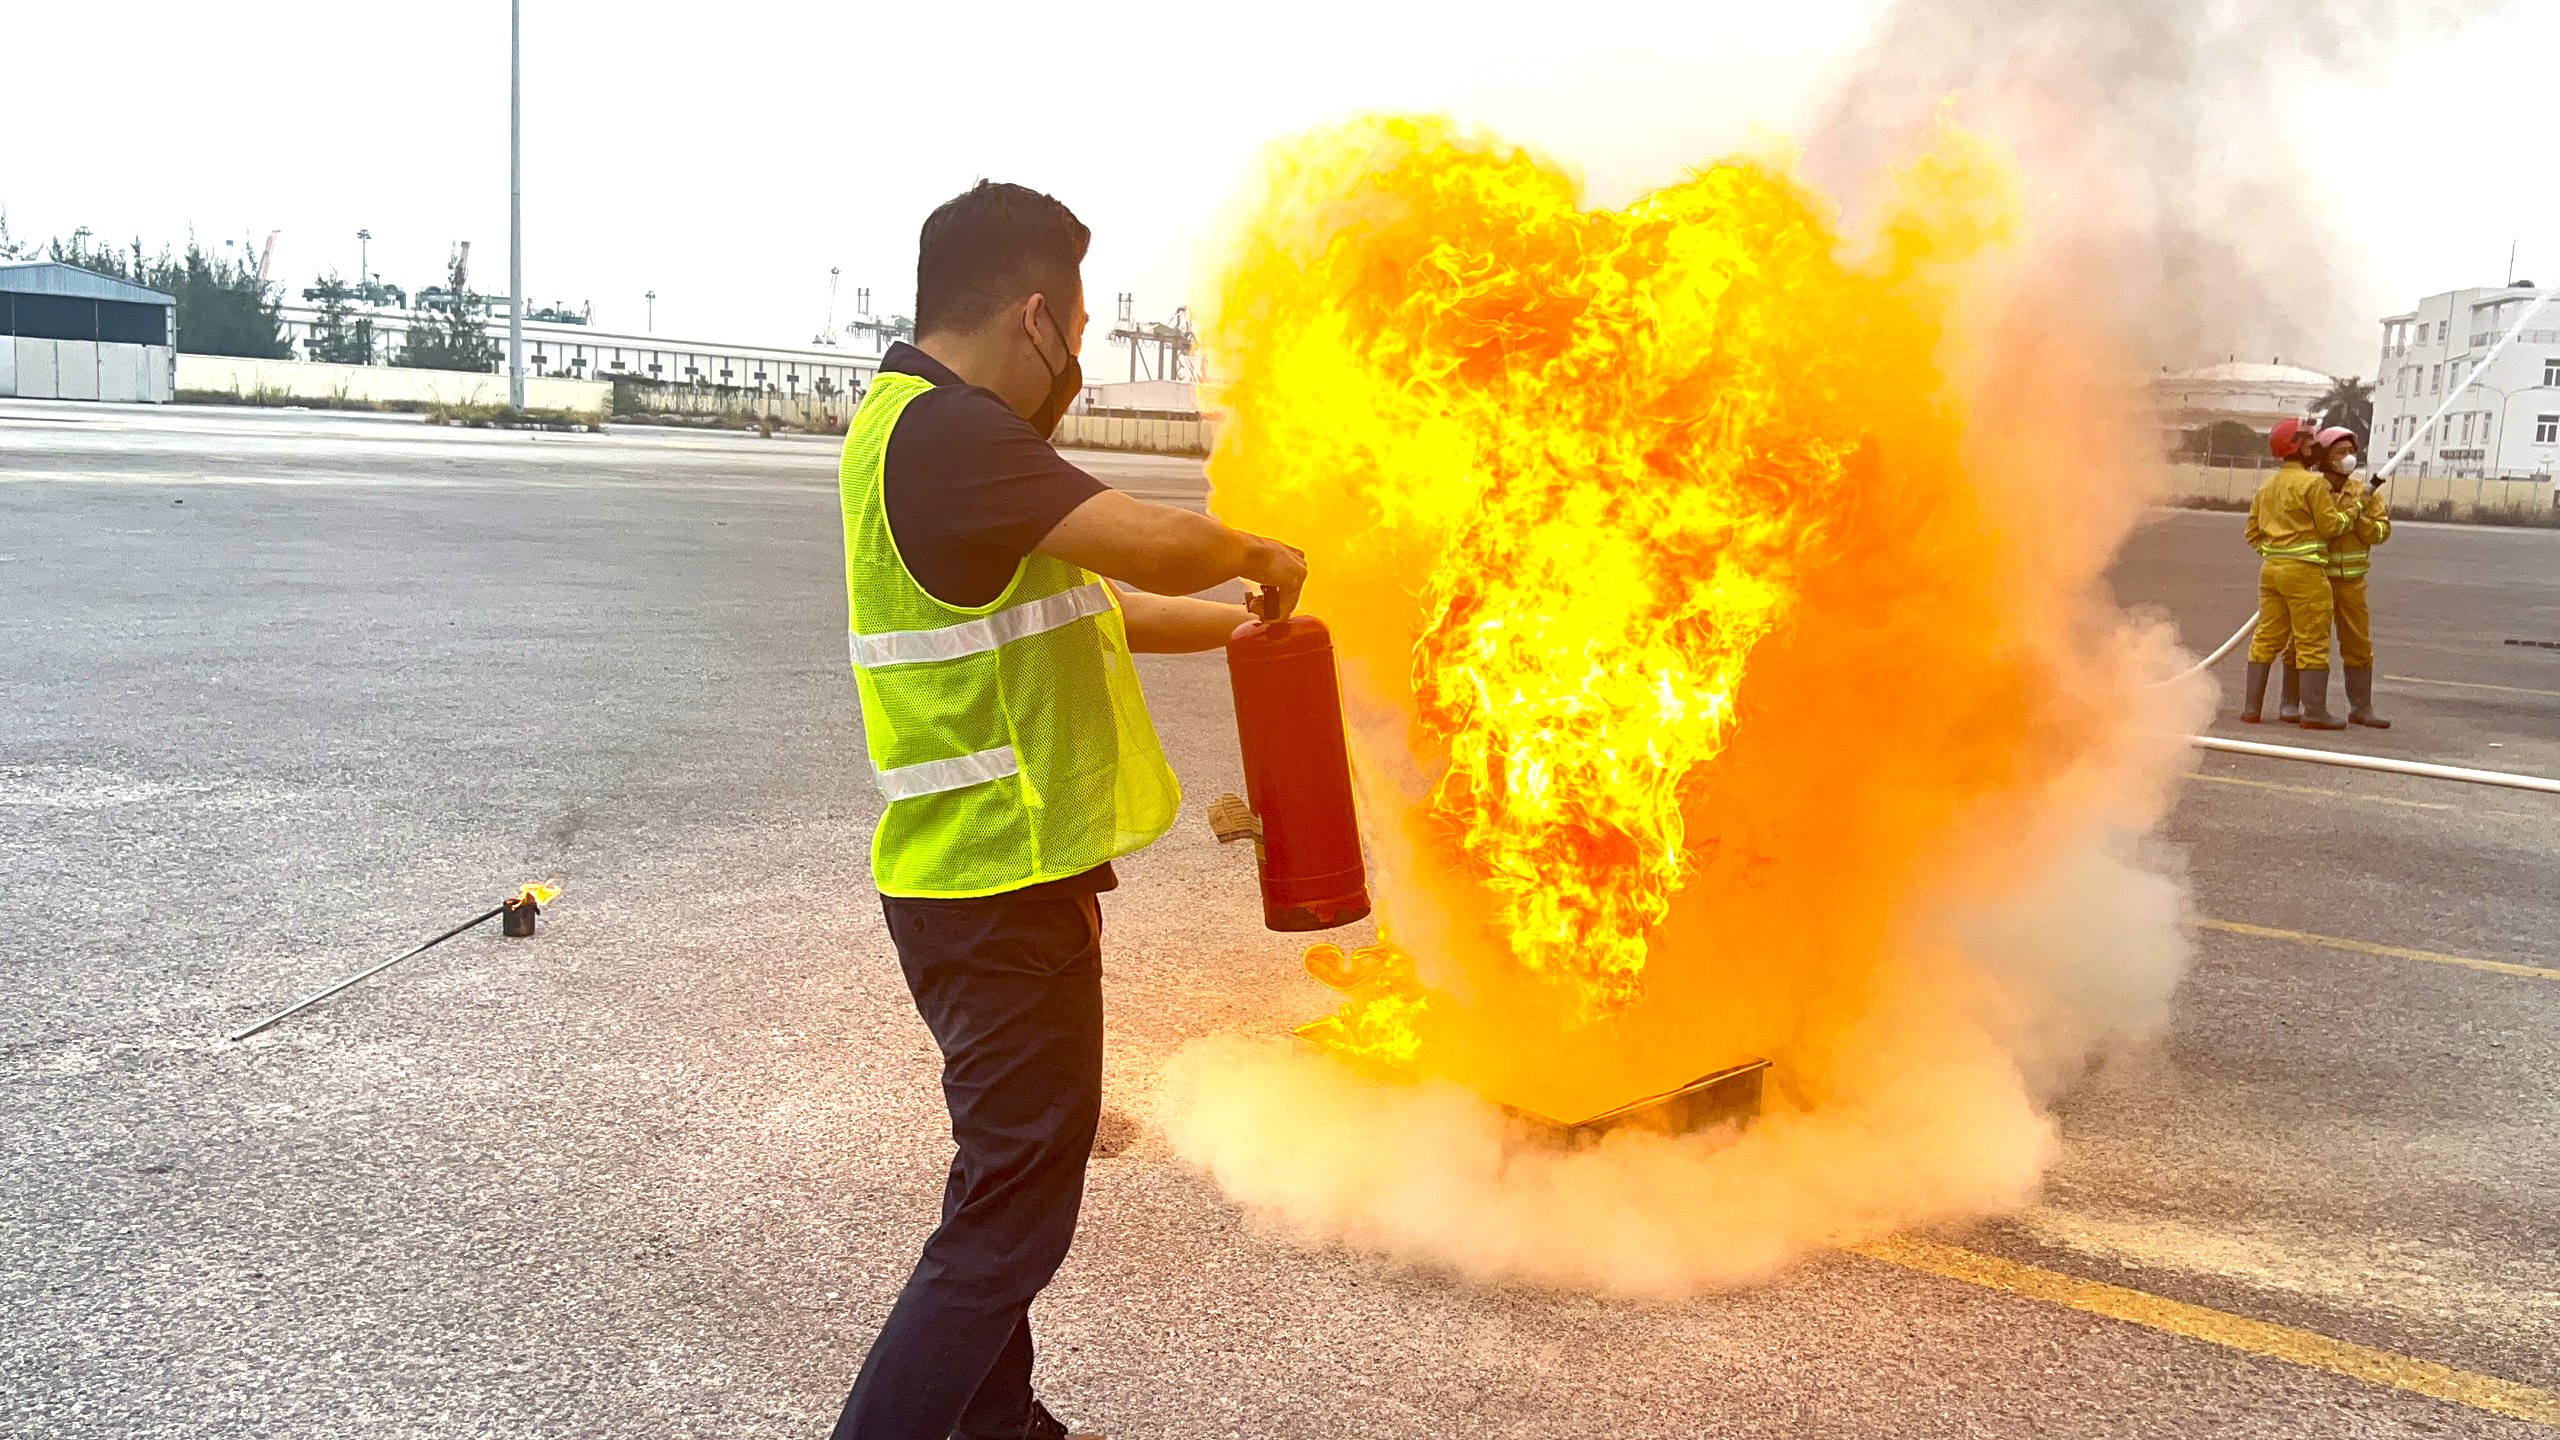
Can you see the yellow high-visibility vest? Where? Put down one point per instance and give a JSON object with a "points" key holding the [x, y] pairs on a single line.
{"points": [[2351, 554], [1011, 738]]}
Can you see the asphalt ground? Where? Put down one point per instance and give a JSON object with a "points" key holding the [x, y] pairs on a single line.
{"points": [[281, 693]]}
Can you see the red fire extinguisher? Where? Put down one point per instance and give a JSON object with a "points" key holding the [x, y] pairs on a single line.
{"points": [[1297, 775]]}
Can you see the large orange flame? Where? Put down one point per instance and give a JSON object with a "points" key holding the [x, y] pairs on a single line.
{"points": [[1649, 535]]}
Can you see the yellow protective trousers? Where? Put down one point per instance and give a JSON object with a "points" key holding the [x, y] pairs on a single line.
{"points": [[2355, 622], [2293, 603]]}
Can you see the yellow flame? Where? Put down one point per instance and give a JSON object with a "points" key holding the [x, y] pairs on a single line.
{"points": [[540, 892], [1563, 472]]}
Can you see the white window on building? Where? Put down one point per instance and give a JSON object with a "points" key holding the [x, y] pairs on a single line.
{"points": [[2437, 387], [2546, 429], [2441, 327], [2404, 379], [2466, 427], [2551, 370]]}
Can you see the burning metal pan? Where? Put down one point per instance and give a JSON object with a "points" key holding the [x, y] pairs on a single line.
{"points": [[1730, 1096]]}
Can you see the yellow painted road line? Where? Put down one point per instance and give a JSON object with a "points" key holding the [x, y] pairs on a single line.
{"points": [[2317, 790], [2395, 952], [2219, 1327], [2472, 685]]}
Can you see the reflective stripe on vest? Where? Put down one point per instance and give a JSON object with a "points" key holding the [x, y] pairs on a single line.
{"points": [[2314, 550], [935, 776], [987, 632]]}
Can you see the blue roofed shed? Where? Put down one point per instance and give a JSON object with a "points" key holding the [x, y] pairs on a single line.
{"points": [[72, 334]]}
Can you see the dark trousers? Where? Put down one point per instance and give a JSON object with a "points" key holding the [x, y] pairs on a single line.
{"points": [[1012, 989]]}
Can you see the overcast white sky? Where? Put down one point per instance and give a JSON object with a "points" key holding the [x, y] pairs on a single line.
{"points": [[727, 156]]}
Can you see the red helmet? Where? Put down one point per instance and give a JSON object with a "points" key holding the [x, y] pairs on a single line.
{"points": [[2332, 436], [2287, 437]]}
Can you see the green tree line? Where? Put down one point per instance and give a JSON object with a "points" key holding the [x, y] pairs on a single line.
{"points": [[224, 309]]}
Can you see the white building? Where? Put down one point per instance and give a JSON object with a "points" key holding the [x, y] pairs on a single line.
{"points": [[2254, 395], [578, 352], [70, 334], [2507, 423]]}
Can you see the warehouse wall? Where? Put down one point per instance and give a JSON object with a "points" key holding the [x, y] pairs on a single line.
{"points": [[85, 370], [288, 380]]}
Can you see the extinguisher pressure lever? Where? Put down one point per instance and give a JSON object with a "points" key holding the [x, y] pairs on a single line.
{"points": [[1258, 602]]}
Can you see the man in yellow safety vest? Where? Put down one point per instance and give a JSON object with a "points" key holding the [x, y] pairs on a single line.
{"points": [[1003, 719], [2291, 523]]}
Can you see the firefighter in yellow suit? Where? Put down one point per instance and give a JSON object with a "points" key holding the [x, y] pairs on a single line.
{"points": [[2333, 453], [2291, 523]]}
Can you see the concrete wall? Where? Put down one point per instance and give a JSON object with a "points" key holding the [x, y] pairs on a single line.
{"points": [[36, 377], [381, 384], [84, 370], [642, 397], [2411, 495], [1112, 432]]}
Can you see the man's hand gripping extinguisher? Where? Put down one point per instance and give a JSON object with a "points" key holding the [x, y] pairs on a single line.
{"points": [[1297, 808]]}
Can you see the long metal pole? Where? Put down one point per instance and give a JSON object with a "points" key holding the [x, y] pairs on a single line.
{"points": [[482, 919], [515, 204]]}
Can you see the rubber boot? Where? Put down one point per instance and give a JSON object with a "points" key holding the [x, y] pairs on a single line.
{"points": [[2360, 699], [2253, 692], [2289, 710], [2315, 702]]}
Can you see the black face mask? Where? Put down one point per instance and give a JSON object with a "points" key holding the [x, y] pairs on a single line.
{"points": [[1063, 384]]}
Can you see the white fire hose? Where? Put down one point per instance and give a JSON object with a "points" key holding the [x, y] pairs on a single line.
{"points": [[2502, 778]]}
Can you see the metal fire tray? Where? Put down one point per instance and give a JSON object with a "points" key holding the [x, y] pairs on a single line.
{"points": [[1730, 1096]]}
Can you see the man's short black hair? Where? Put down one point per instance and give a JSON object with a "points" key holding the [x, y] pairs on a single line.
{"points": [[990, 246]]}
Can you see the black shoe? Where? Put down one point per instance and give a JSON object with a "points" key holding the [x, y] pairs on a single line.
{"points": [[1045, 1426], [2289, 709]]}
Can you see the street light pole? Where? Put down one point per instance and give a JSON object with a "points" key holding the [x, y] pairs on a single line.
{"points": [[652, 298], [515, 204], [364, 259]]}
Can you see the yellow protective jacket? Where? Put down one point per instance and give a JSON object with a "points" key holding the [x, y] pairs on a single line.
{"points": [[2368, 525], [2295, 516]]}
